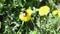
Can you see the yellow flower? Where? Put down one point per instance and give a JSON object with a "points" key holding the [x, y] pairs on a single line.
{"points": [[55, 12], [29, 11], [44, 10], [26, 15]]}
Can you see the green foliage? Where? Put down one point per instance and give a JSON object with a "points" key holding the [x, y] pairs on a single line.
{"points": [[11, 24]]}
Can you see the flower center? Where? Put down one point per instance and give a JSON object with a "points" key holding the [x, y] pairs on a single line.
{"points": [[24, 13]]}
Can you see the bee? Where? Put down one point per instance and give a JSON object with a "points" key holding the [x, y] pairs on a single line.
{"points": [[24, 13]]}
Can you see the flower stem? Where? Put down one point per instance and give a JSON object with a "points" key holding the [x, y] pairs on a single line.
{"points": [[20, 27]]}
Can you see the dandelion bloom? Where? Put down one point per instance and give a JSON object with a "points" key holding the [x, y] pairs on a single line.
{"points": [[26, 15], [29, 11], [55, 12], [44, 10]]}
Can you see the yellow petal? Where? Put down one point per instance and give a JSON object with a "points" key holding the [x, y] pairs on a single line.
{"points": [[29, 11], [24, 18], [44, 10], [55, 12]]}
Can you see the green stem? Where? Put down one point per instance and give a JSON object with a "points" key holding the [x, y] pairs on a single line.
{"points": [[21, 27]]}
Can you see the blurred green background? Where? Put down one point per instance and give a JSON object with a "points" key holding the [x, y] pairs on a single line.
{"points": [[11, 24]]}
